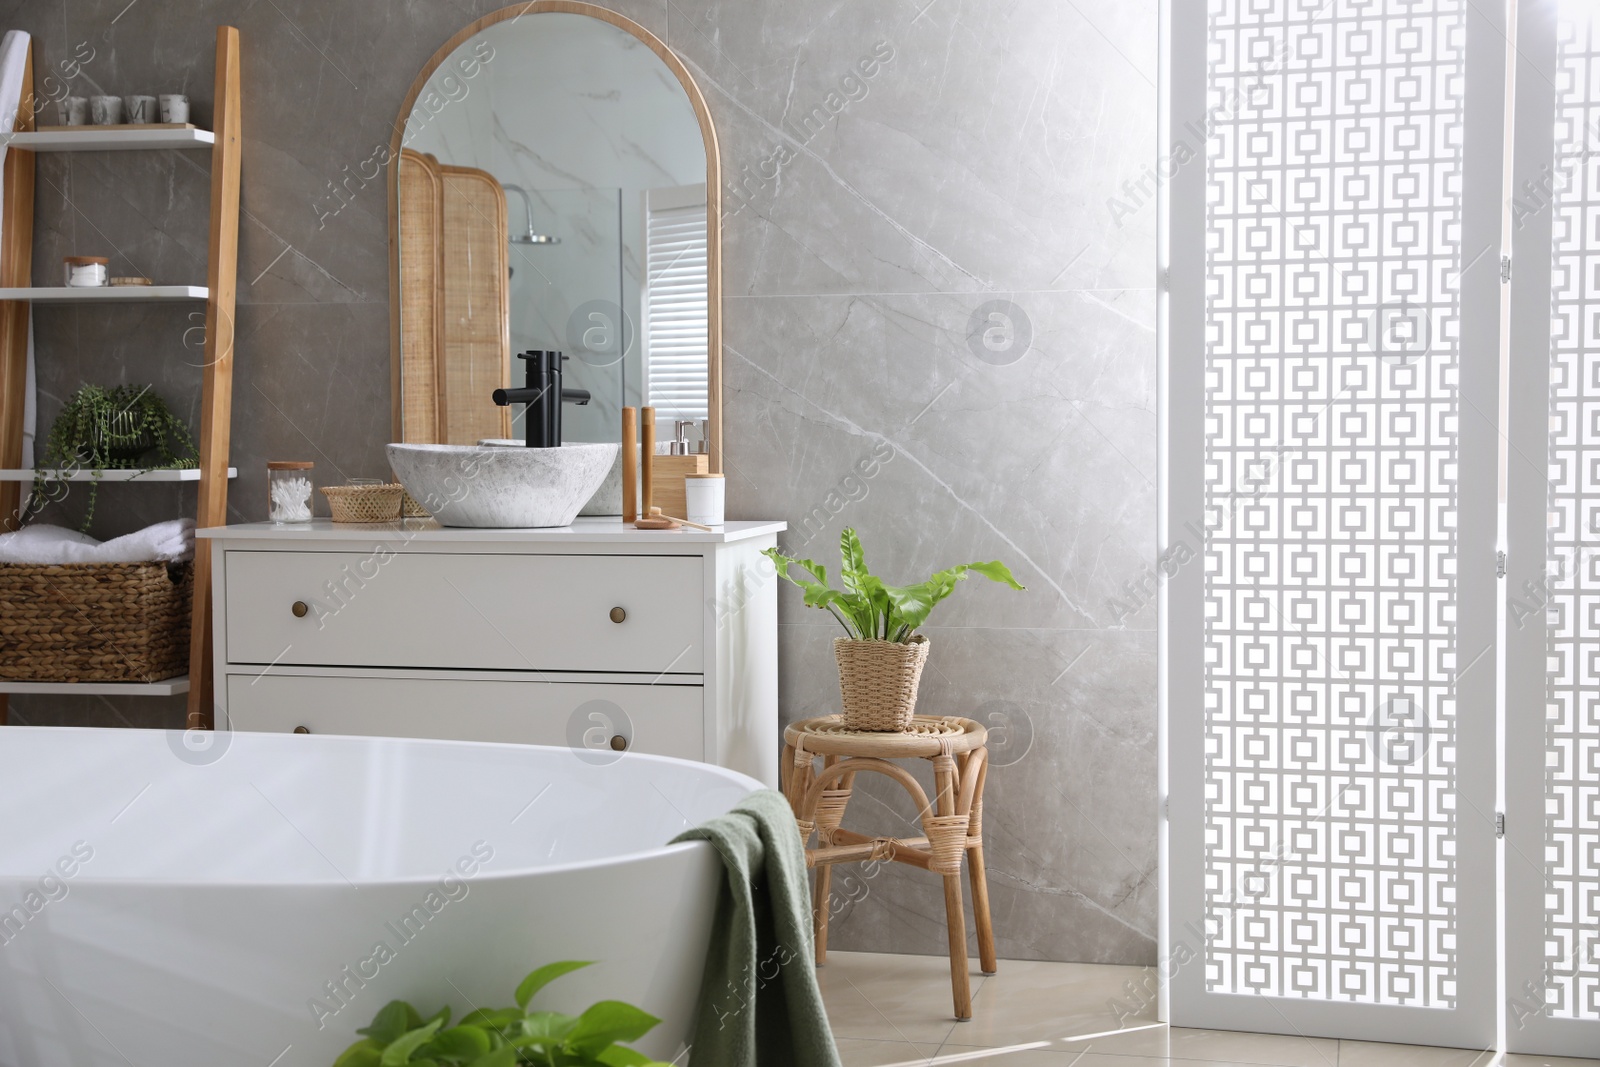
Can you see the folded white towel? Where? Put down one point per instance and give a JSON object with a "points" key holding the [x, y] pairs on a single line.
{"points": [[171, 541]]}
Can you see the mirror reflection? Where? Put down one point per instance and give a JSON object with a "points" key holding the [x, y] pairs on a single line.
{"points": [[552, 197]]}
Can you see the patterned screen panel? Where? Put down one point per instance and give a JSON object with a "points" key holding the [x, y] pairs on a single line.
{"points": [[1334, 162], [1572, 711]]}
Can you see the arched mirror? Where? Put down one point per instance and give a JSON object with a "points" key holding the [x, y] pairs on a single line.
{"points": [[554, 188]]}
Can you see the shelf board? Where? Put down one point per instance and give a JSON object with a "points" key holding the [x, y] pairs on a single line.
{"points": [[170, 687], [107, 294], [185, 474], [112, 139]]}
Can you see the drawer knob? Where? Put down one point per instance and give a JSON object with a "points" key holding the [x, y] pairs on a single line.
{"points": [[302, 729], [618, 615], [300, 609], [619, 743]]}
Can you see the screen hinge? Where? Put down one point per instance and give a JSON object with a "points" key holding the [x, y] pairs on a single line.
{"points": [[1505, 268], [1499, 824], [1499, 564]]}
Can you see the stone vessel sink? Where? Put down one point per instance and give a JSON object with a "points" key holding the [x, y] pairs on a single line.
{"points": [[500, 488]]}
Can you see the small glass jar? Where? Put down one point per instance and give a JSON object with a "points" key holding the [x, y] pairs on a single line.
{"points": [[84, 272], [289, 492]]}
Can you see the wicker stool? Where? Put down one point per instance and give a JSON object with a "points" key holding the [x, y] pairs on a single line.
{"points": [[951, 824]]}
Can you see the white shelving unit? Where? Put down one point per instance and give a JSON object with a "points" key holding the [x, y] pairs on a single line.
{"points": [[108, 294], [186, 474], [18, 296], [168, 688], [111, 139]]}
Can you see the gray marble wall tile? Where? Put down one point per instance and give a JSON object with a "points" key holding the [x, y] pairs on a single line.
{"points": [[897, 173]]}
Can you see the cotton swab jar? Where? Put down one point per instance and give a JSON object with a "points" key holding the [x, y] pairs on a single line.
{"points": [[289, 492]]}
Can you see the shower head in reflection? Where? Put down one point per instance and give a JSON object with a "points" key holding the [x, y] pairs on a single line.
{"points": [[529, 238]]}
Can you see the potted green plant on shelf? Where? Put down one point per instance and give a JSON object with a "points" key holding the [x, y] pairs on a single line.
{"points": [[102, 429], [881, 659], [505, 1037]]}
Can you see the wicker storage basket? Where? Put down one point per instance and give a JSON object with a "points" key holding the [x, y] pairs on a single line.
{"points": [[878, 682], [364, 503], [94, 622], [410, 509]]}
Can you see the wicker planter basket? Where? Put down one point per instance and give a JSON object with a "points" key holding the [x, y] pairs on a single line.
{"points": [[364, 503], [878, 682], [94, 622]]}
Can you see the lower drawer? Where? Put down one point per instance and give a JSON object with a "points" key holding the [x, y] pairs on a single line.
{"points": [[663, 720]]}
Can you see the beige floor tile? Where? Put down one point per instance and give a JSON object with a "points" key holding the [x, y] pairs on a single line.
{"points": [[1217, 1045], [1029, 1001], [859, 1052], [1522, 1060], [882, 997], [1022, 1056], [1374, 1054]]}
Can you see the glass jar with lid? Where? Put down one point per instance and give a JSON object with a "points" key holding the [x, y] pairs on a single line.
{"points": [[289, 491]]}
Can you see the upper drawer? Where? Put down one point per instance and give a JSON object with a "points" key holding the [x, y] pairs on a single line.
{"points": [[488, 612]]}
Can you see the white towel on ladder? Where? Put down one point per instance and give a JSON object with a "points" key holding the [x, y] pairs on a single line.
{"points": [[13, 64]]}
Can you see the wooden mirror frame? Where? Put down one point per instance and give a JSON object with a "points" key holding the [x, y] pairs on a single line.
{"points": [[708, 135]]}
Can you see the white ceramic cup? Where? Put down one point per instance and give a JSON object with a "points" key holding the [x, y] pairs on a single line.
{"points": [[139, 110], [174, 107], [703, 498], [105, 110], [74, 111]]}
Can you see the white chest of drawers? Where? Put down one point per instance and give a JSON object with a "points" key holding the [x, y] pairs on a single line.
{"points": [[594, 636]]}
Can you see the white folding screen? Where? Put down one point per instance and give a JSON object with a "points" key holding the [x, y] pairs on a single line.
{"points": [[1331, 326], [1552, 756]]}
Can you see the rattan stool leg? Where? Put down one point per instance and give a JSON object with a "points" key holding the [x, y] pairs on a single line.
{"points": [[821, 902], [977, 872], [956, 921], [944, 804], [980, 908]]}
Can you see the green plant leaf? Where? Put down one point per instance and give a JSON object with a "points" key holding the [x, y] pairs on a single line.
{"points": [[608, 1022], [620, 1056], [543, 977], [461, 1044], [913, 603], [996, 571], [400, 1049], [364, 1053], [853, 561], [493, 1018], [393, 1020], [442, 1016], [817, 592], [544, 1028], [505, 1056]]}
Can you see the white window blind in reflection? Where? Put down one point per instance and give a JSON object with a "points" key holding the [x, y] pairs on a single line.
{"points": [[676, 324]]}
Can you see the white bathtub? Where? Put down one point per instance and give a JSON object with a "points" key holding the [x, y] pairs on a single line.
{"points": [[256, 902]]}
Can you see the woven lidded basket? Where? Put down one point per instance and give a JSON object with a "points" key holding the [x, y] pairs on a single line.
{"points": [[878, 681], [94, 622], [364, 503]]}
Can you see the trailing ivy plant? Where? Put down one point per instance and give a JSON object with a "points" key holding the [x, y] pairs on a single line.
{"points": [[505, 1037], [113, 429], [868, 609]]}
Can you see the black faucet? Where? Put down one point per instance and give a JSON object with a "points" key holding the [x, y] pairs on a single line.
{"points": [[542, 417]]}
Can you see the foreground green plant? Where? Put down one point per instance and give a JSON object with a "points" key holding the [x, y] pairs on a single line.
{"points": [[868, 609], [112, 429], [505, 1037]]}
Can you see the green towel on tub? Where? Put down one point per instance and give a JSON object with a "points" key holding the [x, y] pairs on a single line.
{"points": [[759, 1001]]}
